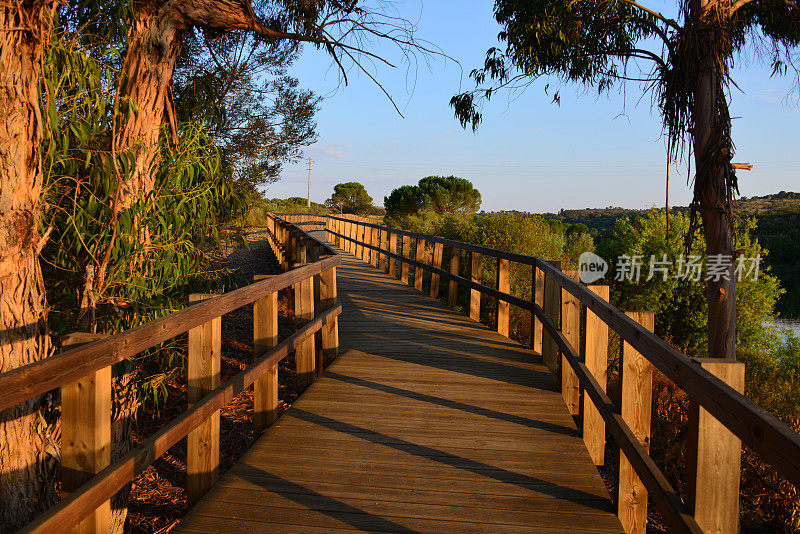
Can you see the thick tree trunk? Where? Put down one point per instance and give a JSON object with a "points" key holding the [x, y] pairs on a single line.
{"points": [[27, 473], [153, 48], [154, 44], [712, 163], [721, 294]]}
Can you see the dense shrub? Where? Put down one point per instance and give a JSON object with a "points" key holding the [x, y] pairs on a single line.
{"points": [[679, 305]]}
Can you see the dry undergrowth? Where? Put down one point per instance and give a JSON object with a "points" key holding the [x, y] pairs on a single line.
{"points": [[158, 496]]}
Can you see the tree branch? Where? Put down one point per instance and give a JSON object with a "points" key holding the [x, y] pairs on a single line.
{"points": [[659, 16]]}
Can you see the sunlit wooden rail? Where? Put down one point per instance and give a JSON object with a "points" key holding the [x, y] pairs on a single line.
{"points": [[721, 418], [83, 373], [427, 422], [369, 401]]}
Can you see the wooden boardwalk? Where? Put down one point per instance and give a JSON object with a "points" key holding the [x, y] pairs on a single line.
{"points": [[427, 422]]}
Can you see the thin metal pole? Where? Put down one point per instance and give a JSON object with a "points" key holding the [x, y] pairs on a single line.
{"points": [[308, 203]]}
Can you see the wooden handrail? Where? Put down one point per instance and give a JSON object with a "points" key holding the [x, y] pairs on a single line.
{"points": [[66, 514], [470, 247], [765, 434], [22, 383], [80, 365]]}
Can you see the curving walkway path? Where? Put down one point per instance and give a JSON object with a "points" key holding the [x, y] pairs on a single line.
{"points": [[427, 422]]}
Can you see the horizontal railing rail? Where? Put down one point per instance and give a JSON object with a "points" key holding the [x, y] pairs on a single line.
{"points": [[23, 383], [775, 442], [113, 478], [83, 374]]}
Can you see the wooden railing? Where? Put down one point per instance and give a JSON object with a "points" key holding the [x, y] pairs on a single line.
{"points": [[721, 418], [84, 376]]}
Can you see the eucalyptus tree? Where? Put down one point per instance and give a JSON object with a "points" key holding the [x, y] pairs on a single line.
{"points": [[346, 30], [239, 89], [25, 29], [684, 61]]}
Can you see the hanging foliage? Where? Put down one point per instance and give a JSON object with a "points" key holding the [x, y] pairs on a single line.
{"points": [[108, 276]]}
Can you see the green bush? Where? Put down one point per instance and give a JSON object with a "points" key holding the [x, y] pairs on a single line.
{"points": [[680, 305]]}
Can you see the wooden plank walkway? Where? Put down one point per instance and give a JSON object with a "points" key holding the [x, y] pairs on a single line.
{"points": [[427, 422]]}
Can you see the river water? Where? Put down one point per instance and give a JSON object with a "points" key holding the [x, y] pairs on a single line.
{"points": [[789, 324]]}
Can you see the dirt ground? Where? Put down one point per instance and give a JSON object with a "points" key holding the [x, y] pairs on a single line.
{"points": [[158, 496]]}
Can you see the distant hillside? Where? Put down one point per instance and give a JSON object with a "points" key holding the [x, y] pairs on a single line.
{"points": [[604, 218], [784, 201]]}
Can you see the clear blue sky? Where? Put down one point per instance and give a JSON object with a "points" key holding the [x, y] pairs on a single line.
{"points": [[528, 154]]}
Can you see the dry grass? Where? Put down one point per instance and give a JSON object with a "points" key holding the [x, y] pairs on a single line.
{"points": [[158, 496]]}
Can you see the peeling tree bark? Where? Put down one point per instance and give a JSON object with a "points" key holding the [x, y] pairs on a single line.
{"points": [[154, 45], [153, 48], [27, 473], [712, 155]]}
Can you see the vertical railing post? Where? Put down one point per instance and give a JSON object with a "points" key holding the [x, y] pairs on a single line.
{"points": [[203, 368], [537, 297], [438, 249], [86, 435], [571, 328], [286, 256], [376, 242], [452, 288], [356, 247], [361, 235], [313, 257], [393, 250], [302, 249], [594, 428], [475, 270], [504, 286], [714, 458], [370, 238], [265, 336], [367, 252], [330, 332], [636, 400], [552, 308], [303, 314], [419, 271], [382, 263], [406, 254], [293, 250]]}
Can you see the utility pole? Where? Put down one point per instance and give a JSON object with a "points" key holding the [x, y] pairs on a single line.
{"points": [[308, 204]]}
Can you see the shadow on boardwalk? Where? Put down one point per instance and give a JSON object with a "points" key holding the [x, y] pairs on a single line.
{"points": [[427, 422]]}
